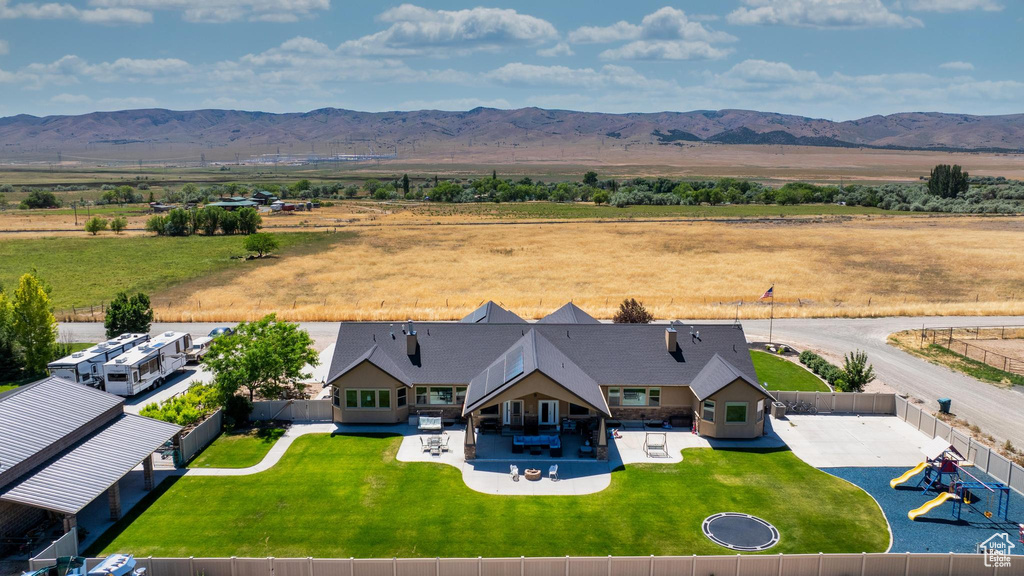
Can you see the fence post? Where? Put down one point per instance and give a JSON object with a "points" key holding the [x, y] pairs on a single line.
{"points": [[394, 566], [191, 566], [234, 567], [782, 559], [480, 565], [738, 555], [950, 571], [309, 561], [437, 566], [821, 560], [863, 563], [271, 564], [522, 564], [906, 565], [567, 566], [351, 566], [650, 572], [693, 566], [609, 565]]}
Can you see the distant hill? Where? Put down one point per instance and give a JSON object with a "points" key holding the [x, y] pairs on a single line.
{"points": [[231, 132]]}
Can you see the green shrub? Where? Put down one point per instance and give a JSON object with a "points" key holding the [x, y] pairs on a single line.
{"points": [[189, 408], [156, 224], [95, 225], [236, 411]]}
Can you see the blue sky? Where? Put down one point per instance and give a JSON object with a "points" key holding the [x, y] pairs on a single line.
{"points": [[838, 59]]}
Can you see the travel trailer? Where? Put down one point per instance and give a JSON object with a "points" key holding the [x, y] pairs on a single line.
{"points": [[86, 366], [147, 366]]}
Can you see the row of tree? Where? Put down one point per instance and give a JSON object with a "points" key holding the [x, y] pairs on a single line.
{"points": [[208, 220]]}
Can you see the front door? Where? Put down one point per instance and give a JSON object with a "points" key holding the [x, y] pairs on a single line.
{"points": [[548, 412], [513, 413]]}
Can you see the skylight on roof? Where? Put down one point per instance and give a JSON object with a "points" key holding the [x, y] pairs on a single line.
{"points": [[513, 363]]}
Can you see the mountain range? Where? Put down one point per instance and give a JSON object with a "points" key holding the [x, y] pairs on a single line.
{"points": [[339, 130]]}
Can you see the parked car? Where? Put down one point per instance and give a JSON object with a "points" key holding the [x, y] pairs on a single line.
{"points": [[222, 331], [200, 346]]}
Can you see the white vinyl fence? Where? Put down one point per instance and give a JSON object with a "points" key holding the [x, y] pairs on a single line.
{"points": [[304, 410], [841, 402], [984, 458], [66, 545], [197, 439], [739, 565]]}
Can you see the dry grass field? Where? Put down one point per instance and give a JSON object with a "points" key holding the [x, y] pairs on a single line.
{"points": [[863, 266]]}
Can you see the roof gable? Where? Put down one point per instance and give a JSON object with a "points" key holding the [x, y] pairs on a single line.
{"points": [[569, 314], [718, 374], [374, 355], [491, 313]]}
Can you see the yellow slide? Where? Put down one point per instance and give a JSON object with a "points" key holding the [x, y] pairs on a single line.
{"points": [[927, 506], [908, 475]]}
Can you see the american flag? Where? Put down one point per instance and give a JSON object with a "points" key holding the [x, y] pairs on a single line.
{"points": [[769, 293]]}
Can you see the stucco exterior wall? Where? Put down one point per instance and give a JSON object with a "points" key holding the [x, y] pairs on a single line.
{"points": [[676, 402], [531, 390], [738, 391], [366, 376]]}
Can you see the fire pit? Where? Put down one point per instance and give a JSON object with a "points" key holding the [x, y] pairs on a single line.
{"points": [[532, 474]]}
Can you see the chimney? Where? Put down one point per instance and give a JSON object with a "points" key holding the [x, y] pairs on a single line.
{"points": [[410, 340], [670, 339]]}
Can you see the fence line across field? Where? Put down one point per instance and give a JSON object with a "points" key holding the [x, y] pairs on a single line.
{"points": [[956, 339], [874, 564]]}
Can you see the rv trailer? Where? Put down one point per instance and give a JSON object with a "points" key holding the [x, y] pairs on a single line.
{"points": [[147, 366], [86, 366]]}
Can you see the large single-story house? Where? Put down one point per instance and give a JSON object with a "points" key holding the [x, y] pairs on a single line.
{"points": [[499, 371], [63, 445]]}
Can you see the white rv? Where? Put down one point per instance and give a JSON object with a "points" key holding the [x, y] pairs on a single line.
{"points": [[147, 366], [86, 366]]}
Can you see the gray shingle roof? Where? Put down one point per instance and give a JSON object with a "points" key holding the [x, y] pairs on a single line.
{"points": [[380, 359], [37, 415], [491, 313], [456, 353], [569, 314], [538, 354], [717, 374], [69, 481]]}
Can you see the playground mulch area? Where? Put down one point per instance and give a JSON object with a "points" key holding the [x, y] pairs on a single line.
{"points": [[938, 531]]}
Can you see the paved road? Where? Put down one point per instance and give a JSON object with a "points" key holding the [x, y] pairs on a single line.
{"points": [[998, 411]]}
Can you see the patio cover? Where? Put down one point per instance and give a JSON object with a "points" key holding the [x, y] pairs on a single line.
{"points": [[69, 481]]}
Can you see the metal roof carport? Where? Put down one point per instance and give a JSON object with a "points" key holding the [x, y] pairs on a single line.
{"points": [[69, 481]]}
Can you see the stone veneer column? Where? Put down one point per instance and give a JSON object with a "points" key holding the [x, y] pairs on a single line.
{"points": [[70, 522], [114, 500], [147, 472]]}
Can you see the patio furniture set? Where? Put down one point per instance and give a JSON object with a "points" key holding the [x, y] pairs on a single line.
{"points": [[435, 444], [532, 474]]}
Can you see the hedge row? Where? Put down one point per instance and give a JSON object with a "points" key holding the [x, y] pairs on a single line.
{"points": [[823, 368]]}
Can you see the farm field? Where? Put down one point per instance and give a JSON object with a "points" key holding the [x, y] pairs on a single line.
{"points": [[351, 484], [832, 267], [781, 374], [88, 271]]}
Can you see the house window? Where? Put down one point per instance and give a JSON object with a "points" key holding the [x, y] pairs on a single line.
{"points": [[421, 395], [735, 412], [351, 398], [634, 397], [460, 395], [383, 399], [577, 410], [336, 396], [613, 396], [760, 410], [708, 414], [441, 396], [654, 397], [490, 411], [367, 398], [400, 397]]}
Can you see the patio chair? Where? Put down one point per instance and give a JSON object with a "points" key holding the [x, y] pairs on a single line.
{"points": [[553, 472], [444, 445], [423, 445], [513, 471]]}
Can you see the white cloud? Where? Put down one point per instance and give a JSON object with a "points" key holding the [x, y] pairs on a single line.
{"points": [[666, 34], [55, 11], [560, 49], [417, 31], [820, 14], [518, 74], [5, 48], [141, 11], [957, 65], [954, 5], [666, 50], [663, 24]]}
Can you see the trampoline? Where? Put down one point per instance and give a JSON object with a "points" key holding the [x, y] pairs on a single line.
{"points": [[741, 532]]}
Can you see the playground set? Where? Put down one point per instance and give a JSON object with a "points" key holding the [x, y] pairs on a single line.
{"points": [[945, 474]]}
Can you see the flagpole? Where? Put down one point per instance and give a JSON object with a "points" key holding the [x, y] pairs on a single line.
{"points": [[771, 318]]}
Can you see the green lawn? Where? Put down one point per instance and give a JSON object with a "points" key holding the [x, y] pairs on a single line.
{"points": [[88, 271], [238, 449], [782, 374], [347, 496]]}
